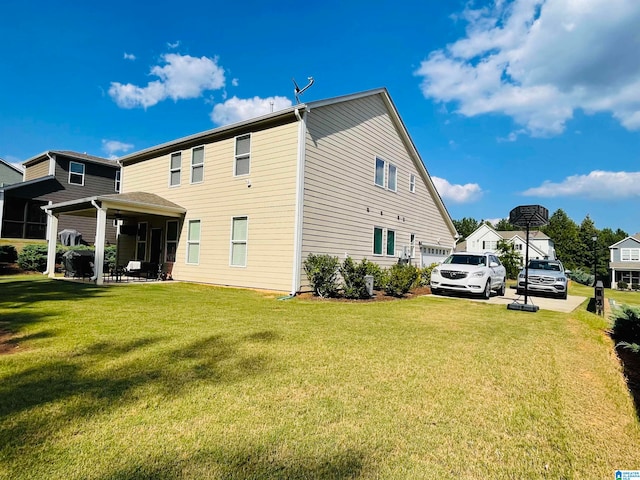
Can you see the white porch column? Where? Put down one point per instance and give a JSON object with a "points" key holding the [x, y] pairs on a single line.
{"points": [[101, 230], [52, 241], [614, 285]]}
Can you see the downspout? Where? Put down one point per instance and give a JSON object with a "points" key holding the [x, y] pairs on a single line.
{"points": [[298, 219]]}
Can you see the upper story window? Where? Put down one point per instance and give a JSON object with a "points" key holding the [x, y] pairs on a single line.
{"points": [[117, 183], [386, 175], [76, 173], [412, 183], [630, 254], [242, 164], [197, 165], [174, 169]]}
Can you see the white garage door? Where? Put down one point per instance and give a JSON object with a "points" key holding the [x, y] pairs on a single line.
{"points": [[433, 254]]}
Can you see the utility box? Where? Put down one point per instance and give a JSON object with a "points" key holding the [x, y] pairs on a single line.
{"points": [[368, 281], [599, 297]]}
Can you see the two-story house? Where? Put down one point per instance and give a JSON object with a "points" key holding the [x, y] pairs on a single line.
{"points": [[245, 204], [624, 261], [9, 173], [53, 177], [485, 239]]}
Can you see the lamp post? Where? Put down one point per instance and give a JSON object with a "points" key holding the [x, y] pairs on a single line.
{"points": [[595, 260]]}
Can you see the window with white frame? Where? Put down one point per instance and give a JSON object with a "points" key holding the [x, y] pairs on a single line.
{"points": [[141, 243], [391, 242], [76, 173], [392, 184], [378, 233], [172, 241], [630, 254], [197, 165], [239, 241], [412, 183], [242, 164], [117, 182], [193, 242], [380, 172], [174, 169], [489, 244], [412, 245]]}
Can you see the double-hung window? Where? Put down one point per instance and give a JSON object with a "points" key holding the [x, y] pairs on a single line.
{"points": [[76, 173], [172, 240], [377, 240], [239, 242], [197, 165], [141, 244], [174, 169], [242, 163], [384, 241], [392, 184], [630, 254], [117, 183], [412, 183], [391, 242], [193, 242], [386, 175], [380, 172]]}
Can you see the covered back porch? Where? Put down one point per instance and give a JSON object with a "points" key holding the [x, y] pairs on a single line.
{"points": [[148, 230]]}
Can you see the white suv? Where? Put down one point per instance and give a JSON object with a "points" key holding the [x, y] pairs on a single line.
{"points": [[476, 273]]}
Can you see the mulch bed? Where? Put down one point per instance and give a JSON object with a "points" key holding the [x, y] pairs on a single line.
{"points": [[378, 296], [631, 364]]}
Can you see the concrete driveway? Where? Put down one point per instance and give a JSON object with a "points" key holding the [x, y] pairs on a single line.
{"points": [[544, 303]]}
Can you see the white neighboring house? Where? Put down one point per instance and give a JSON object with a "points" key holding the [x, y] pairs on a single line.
{"points": [[485, 239]]}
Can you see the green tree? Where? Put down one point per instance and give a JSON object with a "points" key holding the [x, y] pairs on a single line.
{"points": [[466, 226], [503, 225], [564, 233], [510, 258]]}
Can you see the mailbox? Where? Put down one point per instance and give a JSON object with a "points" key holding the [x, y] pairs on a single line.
{"points": [[599, 297]]}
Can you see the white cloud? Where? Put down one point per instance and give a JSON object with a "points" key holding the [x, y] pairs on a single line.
{"points": [[235, 82], [237, 109], [111, 147], [181, 77], [129, 56], [597, 184], [173, 45], [466, 193], [540, 60]]}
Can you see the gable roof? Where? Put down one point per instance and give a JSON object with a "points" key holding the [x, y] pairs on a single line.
{"points": [[73, 155], [12, 166], [533, 234], [292, 114], [635, 237]]}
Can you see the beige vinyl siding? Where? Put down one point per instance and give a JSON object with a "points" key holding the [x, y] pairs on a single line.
{"points": [[342, 204], [37, 170], [269, 204]]}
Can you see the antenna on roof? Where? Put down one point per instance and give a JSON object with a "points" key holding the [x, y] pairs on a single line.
{"points": [[299, 91]]}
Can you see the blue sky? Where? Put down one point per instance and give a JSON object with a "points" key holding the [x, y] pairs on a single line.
{"points": [[508, 102]]}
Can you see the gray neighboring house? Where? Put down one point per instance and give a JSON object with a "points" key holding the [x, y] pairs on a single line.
{"points": [[9, 173], [624, 261], [50, 177]]}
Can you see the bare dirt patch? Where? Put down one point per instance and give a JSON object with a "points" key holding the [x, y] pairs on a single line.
{"points": [[8, 344]]}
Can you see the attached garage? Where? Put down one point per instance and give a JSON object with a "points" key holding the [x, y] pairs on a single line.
{"points": [[433, 254]]}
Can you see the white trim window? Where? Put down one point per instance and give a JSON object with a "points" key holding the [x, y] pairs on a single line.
{"points": [[76, 173], [412, 245], [193, 242], [117, 181], [242, 160], [239, 234], [378, 235], [391, 243], [171, 246], [380, 172], [630, 254], [392, 182], [412, 183], [175, 166], [197, 165], [141, 241]]}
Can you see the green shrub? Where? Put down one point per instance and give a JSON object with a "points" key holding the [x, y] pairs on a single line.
{"points": [[378, 274], [8, 254], [400, 279], [622, 285], [424, 275], [322, 273], [633, 347], [635, 286], [110, 257], [33, 258], [581, 277], [353, 274], [626, 324]]}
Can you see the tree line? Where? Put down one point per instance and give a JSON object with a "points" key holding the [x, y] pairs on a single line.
{"points": [[574, 244]]}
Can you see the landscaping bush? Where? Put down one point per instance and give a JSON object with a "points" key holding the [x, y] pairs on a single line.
{"points": [[378, 274], [8, 254], [622, 285], [33, 258], [110, 257], [626, 325], [581, 277], [400, 279], [353, 274], [322, 272], [635, 286], [424, 275]]}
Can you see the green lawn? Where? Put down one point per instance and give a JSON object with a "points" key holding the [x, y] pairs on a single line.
{"points": [[173, 380]]}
